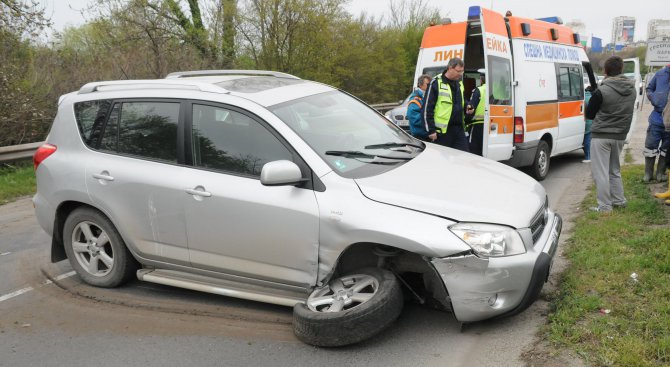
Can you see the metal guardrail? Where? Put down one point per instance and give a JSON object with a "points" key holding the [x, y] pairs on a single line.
{"points": [[18, 152]]}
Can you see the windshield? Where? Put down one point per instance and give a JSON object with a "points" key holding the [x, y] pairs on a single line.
{"points": [[351, 137]]}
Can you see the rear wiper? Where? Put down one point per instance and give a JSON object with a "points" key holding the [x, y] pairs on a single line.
{"points": [[393, 145], [357, 154]]}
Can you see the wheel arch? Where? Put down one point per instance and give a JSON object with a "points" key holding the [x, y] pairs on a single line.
{"points": [[416, 273]]}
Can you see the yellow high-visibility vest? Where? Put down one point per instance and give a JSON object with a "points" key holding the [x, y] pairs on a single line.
{"points": [[444, 104], [478, 118]]}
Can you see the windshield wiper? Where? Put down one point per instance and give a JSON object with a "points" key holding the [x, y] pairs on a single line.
{"points": [[357, 154], [393, 145]]}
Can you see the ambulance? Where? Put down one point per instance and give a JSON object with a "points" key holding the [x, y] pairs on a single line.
{"points": [[535, 72]]}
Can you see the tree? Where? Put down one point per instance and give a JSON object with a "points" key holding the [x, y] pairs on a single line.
{"points": [[22, 17]]}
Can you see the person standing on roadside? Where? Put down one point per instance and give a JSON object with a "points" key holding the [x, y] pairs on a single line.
{"points": [[658, 139], [444, 107], [666, 124], [611, 109], [587, 128], [474, 116], [417, 127]]}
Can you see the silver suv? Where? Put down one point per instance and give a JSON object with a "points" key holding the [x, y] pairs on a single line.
{"points": [[267, 187]]}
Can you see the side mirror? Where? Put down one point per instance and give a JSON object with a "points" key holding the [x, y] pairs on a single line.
{"points": [[281, 173]]}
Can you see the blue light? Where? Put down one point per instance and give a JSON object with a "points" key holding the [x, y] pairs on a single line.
{"points": [[555, 20], [474, 12]]}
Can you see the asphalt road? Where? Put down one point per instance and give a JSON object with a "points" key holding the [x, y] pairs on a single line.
{"points": [[68, 323]]}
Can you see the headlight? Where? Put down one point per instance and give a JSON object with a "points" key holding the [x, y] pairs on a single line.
{"points": [[490, 239]]}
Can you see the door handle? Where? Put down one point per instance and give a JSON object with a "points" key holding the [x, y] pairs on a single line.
{"points": [[506, 110], [104, 175], [198, 191]]}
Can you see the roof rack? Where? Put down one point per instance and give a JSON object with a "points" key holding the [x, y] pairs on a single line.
{"points": [[152, 84], [183, 74]]}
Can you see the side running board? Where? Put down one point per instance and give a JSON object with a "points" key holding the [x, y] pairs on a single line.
{"points": [[221, 287]]}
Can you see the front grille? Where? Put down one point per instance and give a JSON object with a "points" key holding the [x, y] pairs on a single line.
{"points": [[539, 221]]}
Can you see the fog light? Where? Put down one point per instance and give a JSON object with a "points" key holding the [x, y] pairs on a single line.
{"points": [[493, 299]]}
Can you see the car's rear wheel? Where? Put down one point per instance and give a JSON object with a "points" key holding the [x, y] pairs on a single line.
{"points": [[349, 309], [95, 249]]}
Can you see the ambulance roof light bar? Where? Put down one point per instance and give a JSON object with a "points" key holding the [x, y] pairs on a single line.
{"points": [[474, 12], [555, 20]]}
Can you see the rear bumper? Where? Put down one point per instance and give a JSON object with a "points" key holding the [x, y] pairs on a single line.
{"points": [[484, 288], [523, 155]]}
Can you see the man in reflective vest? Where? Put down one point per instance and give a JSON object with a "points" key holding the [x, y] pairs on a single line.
{"points": [[444, 108], [474, 118]]}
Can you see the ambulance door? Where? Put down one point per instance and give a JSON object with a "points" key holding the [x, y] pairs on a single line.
{"points": [[631, 69], [499, 116], [440, 44]]}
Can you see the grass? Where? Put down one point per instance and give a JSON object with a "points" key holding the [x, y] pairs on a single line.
{"points": [[16, 181], [600, 311]]}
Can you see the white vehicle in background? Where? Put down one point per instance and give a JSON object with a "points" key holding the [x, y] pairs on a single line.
{"points": [[631, 69], [535, 73], [398, 115]]}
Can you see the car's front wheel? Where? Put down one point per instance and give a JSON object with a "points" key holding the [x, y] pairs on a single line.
{"points": [[95, 249], [349, 309]]}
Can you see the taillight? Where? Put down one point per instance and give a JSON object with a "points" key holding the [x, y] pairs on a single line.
{"points": [[42, 153], [518, 130]]}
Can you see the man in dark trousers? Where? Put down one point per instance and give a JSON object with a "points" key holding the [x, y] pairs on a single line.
{"points": [[444, 107], [474, 116], [611, 108], [657, 142]]}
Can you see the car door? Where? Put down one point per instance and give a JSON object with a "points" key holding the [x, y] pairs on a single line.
{"points": [[499, 115], [236, 225], [134, 177]]}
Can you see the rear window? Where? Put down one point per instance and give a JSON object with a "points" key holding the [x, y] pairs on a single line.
{"points": [[90, 117]]}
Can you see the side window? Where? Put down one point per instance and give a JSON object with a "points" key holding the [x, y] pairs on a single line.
{"points": [[230, 141], [500, 83], [570, 82], [144, 129], [90, 116], [111, 134]]}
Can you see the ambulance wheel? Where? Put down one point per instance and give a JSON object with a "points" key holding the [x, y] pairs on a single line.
{"points": [[540, 166]]}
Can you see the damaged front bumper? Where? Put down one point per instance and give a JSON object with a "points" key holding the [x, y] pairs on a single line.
{"points": [[483, 288]]}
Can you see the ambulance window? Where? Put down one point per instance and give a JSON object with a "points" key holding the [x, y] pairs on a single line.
{"points": [[570, 82], [499, 81]]}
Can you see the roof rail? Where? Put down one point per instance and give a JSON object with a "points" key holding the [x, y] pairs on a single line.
{"points": [[152, 84], [182, 74]]}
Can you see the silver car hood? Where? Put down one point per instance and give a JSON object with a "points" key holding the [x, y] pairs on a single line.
{"points": [[460, 186]]}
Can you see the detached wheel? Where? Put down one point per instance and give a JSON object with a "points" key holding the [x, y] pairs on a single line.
{"points": [[95, 249], [349, 309], [540, 166]]}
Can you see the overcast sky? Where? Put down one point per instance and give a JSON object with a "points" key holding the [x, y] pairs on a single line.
{"points": [[597, 15]]}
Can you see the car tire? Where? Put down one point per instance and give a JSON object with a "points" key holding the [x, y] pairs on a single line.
{"points": [[96, 250], [540, 167], [365, 303]]}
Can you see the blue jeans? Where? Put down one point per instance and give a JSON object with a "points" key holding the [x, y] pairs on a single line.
{"points": [[587, 146]]}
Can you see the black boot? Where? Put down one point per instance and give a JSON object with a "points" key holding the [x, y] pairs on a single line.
{"points": [[648, 168], [660, 169]]}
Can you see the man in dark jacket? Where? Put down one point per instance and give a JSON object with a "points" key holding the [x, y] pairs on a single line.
{"points": [[417, 127], [444, 107], [658, 139], [611, 108]]}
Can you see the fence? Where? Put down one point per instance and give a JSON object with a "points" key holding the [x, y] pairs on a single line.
{"points": [[18, 152]]}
